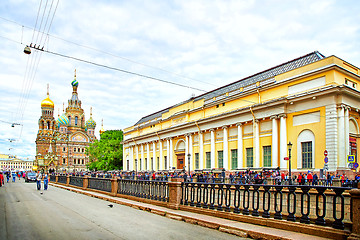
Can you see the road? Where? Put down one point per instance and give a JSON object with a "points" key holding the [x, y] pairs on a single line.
{"points": [[25, 213]]}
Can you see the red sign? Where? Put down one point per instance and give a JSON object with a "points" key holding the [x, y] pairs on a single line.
{"points": [[325, 153], [286, 158]]}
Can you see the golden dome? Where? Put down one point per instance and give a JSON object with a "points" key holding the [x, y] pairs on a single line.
{"points": [[102, 130], [47, 102]]}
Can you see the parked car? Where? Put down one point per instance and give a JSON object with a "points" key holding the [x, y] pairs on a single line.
{"points": [[30, 177]]}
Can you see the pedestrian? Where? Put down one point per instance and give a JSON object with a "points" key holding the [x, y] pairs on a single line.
{"points": [[13, 176], [1, 179], [46, 181], [38, 180], [7, 176]]}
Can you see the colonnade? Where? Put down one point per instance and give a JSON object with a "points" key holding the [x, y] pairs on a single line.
{"points": [[278, 148]]}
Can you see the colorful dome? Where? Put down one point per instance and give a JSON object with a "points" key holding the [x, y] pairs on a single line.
{"points": [[75, 83], [63, 120], [90, 123], [47, 102]]}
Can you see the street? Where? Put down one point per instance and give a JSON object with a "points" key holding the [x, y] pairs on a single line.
{"points": [[25, 213]]}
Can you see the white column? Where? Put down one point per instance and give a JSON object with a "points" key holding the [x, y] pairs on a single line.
{"points": [[341, 140], [131, 164], [212, 154], [171, 154], [154, 157], [226, 149], [240, 146], [137, 157], [168, 153], [186, 150], [142, 157], [283, 142], [191, 152], [256, 143], [161, 158], [124, 158], [347, 131], [274, 143], [147, 167], [201, 151]]}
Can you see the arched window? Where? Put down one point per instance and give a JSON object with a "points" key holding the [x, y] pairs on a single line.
{"points": [[48, 125], [306, 149], [69, 117], [76, 121]]}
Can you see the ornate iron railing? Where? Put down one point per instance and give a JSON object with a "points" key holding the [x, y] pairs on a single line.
{"points": [[76, 181], [52, 178], [155, 190], [307, 204], [103, 184], [62, 179]]}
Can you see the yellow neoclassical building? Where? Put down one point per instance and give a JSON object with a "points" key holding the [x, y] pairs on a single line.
{"points": [[312, 101]]}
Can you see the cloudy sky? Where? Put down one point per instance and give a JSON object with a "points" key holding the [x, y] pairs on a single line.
{"points": [[199, 44]]}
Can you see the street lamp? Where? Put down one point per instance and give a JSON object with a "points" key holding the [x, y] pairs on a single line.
{"points": [[289, 145], [189, 155]]}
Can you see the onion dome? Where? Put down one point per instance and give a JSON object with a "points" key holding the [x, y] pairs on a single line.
{"points": [[90, 124], [75, 83], [47, 102], [63, 120], [101, 131]]}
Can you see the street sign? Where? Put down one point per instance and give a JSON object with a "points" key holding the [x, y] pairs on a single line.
{"points": [[351, 165], [326, 160], [355, 165], [325, 153], [351, 158], [286, 158], [326, 167]]}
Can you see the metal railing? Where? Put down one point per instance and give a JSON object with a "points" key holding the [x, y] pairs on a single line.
{"points": [[155, 190], [62, 179], [306, 204], [103, 184], [76, 181], [52, 178]]}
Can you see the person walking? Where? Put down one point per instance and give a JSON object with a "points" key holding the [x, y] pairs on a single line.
{"points": [[46, 181], [7, 176], [38, 180], [1, 179], [13, 176]]}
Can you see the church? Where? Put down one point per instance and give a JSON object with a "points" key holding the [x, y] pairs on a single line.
{"points": [[61, 144]]}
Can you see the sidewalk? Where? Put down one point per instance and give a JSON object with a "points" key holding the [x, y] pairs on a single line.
{"points": [[233, 227]]}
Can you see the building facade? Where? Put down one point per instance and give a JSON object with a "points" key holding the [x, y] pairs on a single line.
{"points": [[312, 101], [13, 163], [61, 143]]}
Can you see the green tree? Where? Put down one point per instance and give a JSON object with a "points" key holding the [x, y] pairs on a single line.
{"points": [[106, 153]]}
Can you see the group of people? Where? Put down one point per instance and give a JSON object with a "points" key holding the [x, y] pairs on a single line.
{"points": [[39, 178]]}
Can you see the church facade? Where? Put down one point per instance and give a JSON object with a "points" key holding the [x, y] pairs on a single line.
{"points": [[61, 144]]}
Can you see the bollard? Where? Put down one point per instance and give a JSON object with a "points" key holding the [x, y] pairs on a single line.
{"points": [[67, 180], [114, 186], [85, 182], [56, 178], [355, 197], [175, 193]]}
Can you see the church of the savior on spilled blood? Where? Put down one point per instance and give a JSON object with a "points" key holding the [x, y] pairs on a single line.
{"points": [[61, 143]]}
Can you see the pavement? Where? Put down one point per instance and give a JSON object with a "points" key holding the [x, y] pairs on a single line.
{"points": [[240, 229]]}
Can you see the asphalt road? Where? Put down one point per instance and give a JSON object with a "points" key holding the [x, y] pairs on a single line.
{"points": [[25, 213]]}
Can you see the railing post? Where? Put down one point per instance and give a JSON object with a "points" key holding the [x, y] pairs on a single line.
{"points": [[56, 178], [67, 180], [355, 198], [114, 186], [175, 193], [85, 182]]}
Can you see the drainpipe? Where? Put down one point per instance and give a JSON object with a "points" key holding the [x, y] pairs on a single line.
{"points": [[258, 91]]}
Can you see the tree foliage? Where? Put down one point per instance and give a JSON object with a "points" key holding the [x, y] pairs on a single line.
{"points": [[106, 153]]}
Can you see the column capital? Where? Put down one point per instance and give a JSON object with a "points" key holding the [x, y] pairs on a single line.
{"points": [[225, 127], [256, 120], [274, 117], [212, 129], [282, 115], [239, 124]]}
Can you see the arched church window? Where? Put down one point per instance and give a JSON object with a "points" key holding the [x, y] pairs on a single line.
{"points": [[69, 117], [76, 121], [48, 125]]}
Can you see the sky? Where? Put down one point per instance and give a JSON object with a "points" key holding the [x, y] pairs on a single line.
{"points": [[196, 45]]}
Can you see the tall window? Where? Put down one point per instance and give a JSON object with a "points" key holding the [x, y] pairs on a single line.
{"points": [[146, 166], [208, 160], [267, 156], [152, 163], [220, 159], [69, 120], [196, 160], [76, 121], [234, 163], [64, 160], [165, 162], [127, 164], [249, 157], [306, 154], [140, 164], [157, 163]]}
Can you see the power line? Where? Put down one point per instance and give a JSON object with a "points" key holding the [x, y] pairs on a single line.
{"points": [[113, 55]]}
